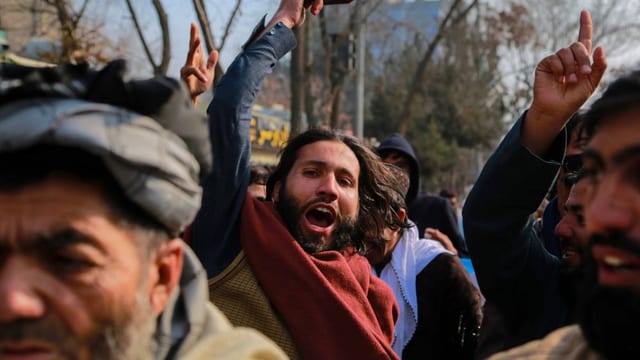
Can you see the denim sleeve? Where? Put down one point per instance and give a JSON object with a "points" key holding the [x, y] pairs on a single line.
{"points": [[215, 237]]}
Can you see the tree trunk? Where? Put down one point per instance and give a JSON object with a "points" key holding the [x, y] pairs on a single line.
{"points": [[297, 81], [166, 42], [67, 29], [336, 100], [309, 98]]}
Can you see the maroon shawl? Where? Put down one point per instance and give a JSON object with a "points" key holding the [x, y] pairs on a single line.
{"points": [[332, 305]]}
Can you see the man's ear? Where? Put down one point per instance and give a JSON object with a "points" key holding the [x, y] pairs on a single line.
{"points": [[165, 269], [402, 214], [275, 193]]}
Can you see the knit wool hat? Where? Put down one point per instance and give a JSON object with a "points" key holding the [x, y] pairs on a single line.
{"points": [[401, 180], [154, 166], [398, 143]]}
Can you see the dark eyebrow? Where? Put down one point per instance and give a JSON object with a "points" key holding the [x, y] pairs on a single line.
{"points": [[324, 164], [63, 238], [626, 154], [574, 208], [592, 155]]}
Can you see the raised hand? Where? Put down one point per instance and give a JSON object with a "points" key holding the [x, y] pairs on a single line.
{"points": [[197, 73], [292, 12], [563, 82]]}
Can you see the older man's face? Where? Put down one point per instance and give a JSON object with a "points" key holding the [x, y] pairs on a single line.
{"points": [[72, 282]]}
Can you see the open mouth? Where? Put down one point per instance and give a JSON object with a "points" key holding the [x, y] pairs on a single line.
{"points": [[616, 267], [568, 252], [320, 217]]}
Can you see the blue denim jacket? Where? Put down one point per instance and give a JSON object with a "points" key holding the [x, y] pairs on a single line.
{"points": [[216, 236]]}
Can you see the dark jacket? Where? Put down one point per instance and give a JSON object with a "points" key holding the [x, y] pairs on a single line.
{"points": [[551, 218], [449, 316], [516, 274], [436, 212], [426, 210], [398, 143]]}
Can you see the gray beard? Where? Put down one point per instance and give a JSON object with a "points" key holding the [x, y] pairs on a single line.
{"points": [[133, 341], [129, 336]]}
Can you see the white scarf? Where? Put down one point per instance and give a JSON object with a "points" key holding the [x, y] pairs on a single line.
{"points": [[410, 256]]}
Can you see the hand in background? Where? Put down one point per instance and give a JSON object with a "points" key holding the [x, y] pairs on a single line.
{"points": [[437, 235], [197, 73]]}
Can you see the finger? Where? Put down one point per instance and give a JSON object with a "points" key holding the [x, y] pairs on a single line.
{"points": [[582, 58], [316, 7], [194, 43], [212, 60], [187, 71], [552, 65], [585, 34], [193, 49], [568, 62]]}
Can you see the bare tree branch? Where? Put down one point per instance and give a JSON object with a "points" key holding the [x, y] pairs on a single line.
{"points": [[426, 59], [166, 41], [67, 29], [227, 29], [145, 46], [78, 15], [209, 41]]}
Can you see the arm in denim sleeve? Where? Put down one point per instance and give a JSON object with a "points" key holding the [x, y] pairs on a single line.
{"points": [[215, 236]]}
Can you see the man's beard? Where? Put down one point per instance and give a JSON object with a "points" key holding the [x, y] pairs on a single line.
{"points": [[607, 315], [123, 334], [291, 213], [571, 279]]}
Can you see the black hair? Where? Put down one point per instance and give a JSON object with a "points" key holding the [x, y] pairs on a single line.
{"points": [[623, 94], [258, 174]]}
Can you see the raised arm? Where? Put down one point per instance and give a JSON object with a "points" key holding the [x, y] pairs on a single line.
{"points": [[215, 237], [563, 82], [514, 271]]}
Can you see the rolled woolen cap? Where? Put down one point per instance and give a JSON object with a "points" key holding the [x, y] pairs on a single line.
{"points": [[152, 165], [400, 181], [155, 167]]}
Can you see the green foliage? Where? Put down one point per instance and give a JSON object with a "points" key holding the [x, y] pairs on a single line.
{"points": [[457, 106]]}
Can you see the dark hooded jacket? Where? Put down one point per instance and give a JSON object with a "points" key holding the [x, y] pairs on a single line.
{"points": [[398, 143], [425, 210]]}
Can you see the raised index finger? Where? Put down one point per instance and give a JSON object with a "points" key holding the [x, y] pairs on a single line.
{"points": [[585, 36], [194, 43]]}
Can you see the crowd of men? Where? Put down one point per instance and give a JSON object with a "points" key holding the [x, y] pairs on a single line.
{"points": [[132, 226]]}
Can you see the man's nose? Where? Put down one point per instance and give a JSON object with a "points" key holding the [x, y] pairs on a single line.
{"points": [[328, 187], [564, 229], [609, 208], [19, 294]]}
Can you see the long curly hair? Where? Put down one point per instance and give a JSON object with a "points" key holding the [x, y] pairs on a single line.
{"points": [[374, 181]]}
